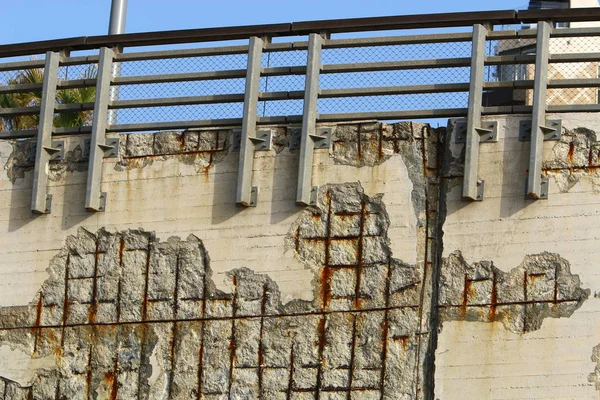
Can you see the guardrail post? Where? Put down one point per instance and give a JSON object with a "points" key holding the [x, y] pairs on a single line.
{"points": [[247, 195], [306, 193], [473, 186], [41, 201], [537, 186], [95, 200]]}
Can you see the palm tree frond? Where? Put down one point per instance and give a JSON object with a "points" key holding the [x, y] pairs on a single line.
{"points": [[65, 96]]}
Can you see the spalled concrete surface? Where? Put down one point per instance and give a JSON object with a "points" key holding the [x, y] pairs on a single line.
{"points": [[121, 314], [520, 355], [389, 287], [179, 194], [124, 315], [542, 286]]}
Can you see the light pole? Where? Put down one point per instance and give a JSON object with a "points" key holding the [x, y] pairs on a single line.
{"points": [[116, 26], [118, 14]]}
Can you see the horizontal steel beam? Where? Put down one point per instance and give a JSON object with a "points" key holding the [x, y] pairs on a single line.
{"points": [[395, 90], [574, 83], [76, 83], [570, 108], [157, 126], [391, 115], [79, 60], [41, 47], [21, 134], [444, 20], [188, 35], [396, 65], [510, 59], [58, 108], [396, 40], [16, 111], [573, 57], [19, 65], [183, 77], [73, 107], [401, 22], [184, 53], [575, 32], [559, 15], [22, 88], [30, 133], [177, 101]]}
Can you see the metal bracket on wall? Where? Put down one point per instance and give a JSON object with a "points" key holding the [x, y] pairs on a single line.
{"points": [[111, 148], [100, 147], [488, 133], [56, 150], [295, 138], [262, 140], [322, 139], [41, 201], [311, 138], [552, 130], [250, 139]]}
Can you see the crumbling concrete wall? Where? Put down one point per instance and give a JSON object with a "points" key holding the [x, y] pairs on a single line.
{"points": [[518, 316], [124, 315], [277, 301], [389, 287]]}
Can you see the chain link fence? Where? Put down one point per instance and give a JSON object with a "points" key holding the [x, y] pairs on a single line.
{"points": [[22, 99], [183, 88], [358, 66], [510, 72], [573, 70], [283, 83], [395, 78]]}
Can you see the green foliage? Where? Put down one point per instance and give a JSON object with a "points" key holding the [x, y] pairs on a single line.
{"points": [[64, 96]]}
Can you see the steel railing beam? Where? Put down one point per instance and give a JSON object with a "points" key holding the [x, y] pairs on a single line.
{"points": [[472, 185], [41, 201], [246, 194], [306, 192], [537, 185], [95, 199]]}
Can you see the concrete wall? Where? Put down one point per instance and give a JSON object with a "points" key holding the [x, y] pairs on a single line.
{"points": [[522, 353], [389, 287], [175, 292]]}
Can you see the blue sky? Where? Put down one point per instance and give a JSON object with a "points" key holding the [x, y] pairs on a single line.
{"points": [[31, 20]]}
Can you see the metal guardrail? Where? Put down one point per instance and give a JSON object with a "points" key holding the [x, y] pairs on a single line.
{"points": [[322, 79]]}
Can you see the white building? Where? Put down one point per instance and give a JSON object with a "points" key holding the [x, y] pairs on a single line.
{"points": [[556, 71]]}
